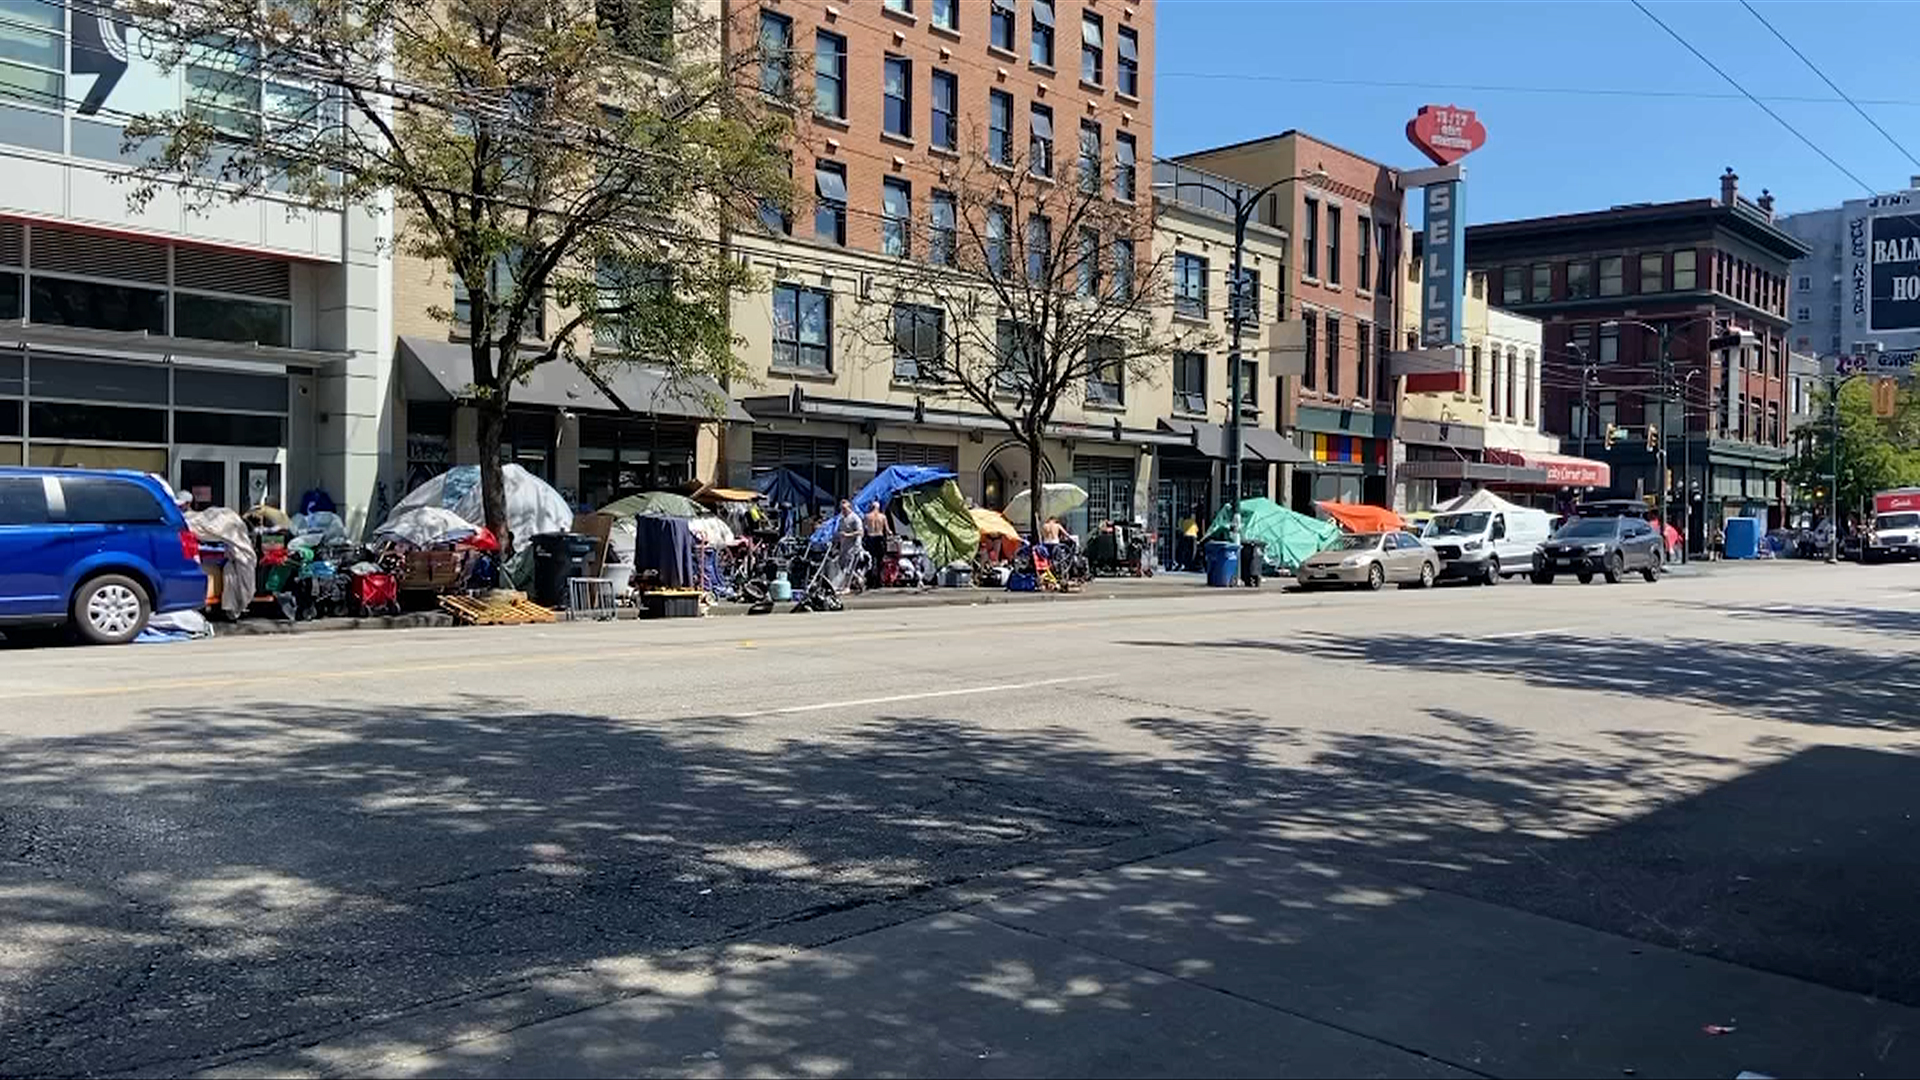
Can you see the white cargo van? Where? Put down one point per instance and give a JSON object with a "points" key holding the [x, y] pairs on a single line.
{"points": [[1483, 538]]}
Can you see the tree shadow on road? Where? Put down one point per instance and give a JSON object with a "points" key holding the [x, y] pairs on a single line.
{"points": [[233, 881]]}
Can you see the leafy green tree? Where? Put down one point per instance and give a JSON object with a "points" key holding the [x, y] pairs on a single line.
{"points": [[554, 157], [1875, 453]]}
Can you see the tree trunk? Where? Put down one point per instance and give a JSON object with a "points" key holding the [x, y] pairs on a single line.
{"points": [[1036, 456], [493, 487]]}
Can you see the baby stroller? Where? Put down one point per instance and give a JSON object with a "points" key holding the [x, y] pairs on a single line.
{"points": [[822, 566]]}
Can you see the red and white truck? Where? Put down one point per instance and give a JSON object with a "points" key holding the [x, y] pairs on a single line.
{"points": [[1895, 533]]}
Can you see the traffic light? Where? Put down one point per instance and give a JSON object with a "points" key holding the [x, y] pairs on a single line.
{"points": [[1886, 398], [1653, 439], [1725, 335], [1613, 433]]}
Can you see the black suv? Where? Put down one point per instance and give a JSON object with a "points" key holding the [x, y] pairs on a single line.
{"points": [[1610, 546]]}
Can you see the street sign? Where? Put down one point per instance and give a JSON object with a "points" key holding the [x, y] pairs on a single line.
{"points": [[1886, 397], [1885, 365]]}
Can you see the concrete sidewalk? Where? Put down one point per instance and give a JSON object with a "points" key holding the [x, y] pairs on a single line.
{"points": [[1228, 959]]}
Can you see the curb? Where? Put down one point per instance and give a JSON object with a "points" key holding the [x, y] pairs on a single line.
{"points": [[419, 620]]}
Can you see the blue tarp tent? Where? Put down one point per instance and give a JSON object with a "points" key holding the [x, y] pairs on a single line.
{"points": [[892, 480], [784, 486]]}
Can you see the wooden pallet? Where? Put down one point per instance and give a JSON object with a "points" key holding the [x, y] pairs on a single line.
{"points": [[496, 611]]}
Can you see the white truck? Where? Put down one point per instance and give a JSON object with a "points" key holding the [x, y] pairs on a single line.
{"points": [[1895, 533], [1483, 538]]}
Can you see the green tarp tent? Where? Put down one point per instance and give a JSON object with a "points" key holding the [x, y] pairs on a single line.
{"points": [[942, 522], [1289, 537]]}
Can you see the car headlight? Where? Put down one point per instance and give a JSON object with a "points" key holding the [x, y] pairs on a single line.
{"points": [[1352, 560], [1595, 549], [1471, 545]]}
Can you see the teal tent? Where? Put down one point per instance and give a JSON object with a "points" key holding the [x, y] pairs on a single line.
{"points": [[1289, 537]]}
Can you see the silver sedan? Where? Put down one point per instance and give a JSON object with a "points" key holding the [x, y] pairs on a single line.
{"points": [[1372, 560]]}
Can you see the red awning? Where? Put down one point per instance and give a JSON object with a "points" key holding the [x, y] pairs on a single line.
{"points": [[1563, 470]]}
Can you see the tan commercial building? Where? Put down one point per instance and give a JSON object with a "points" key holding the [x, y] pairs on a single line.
{"points": [[891, 97]]}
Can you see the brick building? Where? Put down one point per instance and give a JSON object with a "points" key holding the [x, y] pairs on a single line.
{"points": [[1343, 213], [1687, 266], [890, 98]]}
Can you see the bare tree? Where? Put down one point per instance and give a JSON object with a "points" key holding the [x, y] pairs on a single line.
{"points": [[1026, 292], [567, 162]]}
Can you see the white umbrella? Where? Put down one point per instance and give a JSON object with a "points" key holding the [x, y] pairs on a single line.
{"points": [[1055, 499]]}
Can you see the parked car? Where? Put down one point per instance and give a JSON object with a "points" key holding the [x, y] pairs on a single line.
{"points": [[1485, 546], [95, 552], [1372, 560], [1609, 546]]}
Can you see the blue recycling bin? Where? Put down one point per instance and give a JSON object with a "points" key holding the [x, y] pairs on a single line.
{"points": [[1223, 563], [1743, 538]]}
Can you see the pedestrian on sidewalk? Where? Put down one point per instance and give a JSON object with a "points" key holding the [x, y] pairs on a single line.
{"points": [[877, 527]]}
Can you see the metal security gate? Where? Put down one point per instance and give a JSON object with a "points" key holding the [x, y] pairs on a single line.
{"points": [[1109, 485], [1179, 497]]}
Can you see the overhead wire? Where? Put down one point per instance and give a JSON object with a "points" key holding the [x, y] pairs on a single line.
{"points": [[1811, 66]]}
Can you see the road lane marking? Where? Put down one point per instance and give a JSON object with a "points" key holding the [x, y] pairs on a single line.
{"points": [[1505, 634], [923, 695]]}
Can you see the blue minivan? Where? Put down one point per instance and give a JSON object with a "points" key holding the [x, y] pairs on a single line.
{"points": [[94, 551]]}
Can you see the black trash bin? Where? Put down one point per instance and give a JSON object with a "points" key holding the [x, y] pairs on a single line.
{"points": [[1253, 560], [557, 557]]}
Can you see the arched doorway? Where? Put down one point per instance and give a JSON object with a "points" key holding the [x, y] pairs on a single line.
{"points": [[998, 483], [993, 488]]}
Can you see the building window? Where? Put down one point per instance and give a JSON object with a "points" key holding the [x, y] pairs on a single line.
{"points": [[943, 230], [999, 223], [1123, 269], [225, 319], [1803, 314], [919, 342], [1542, 283], [1609, 345], [36, 54], [1612, 275], [1310, 248], [946, 14], [1001, 25], [897, 97], [1510, 282], [1365, 252], [1040, 251], [1092, 49], [1773, 352], [1532, 376], [802, 328], [1020, 353], [1333, 356], [896, 217], [1493, 389], [1089, 157], [773, 215], [1190, 382], [1040, 148], [1247, 297], [830, 75], [830, 202], [1123, 159], [1333, 248], [1385, 286], [1129, 81], [1653, 272], [1383, 372], [1513, 373], [1000, 127], [776, 55], [1579, 279], [1190, 285], [905, 7], [944, 132], [50, 309], [1474, 372], [1683, 277], [1363, 356], [1249, 385], [1106, 372], [1310, 366], [1042, 52], [1087, 268], [620, 287]]}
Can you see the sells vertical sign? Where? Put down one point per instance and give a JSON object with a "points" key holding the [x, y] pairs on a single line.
{"points": [[1445, 133]]}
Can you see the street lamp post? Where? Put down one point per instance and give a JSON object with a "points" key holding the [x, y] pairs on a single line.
{"points": [[1586, 389], [1686, 468], [1244, 206], [1663, 384]]}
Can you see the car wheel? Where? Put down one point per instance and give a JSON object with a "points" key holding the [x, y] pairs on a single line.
{"points": [[110, 610], [1493, 569], [1585, 576], [1376, 577], [1651, 572], [1543, 577], [1616, 566], [1426, 575]]}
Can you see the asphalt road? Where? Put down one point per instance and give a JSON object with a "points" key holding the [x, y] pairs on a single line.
{"points": [[1407, 832]]}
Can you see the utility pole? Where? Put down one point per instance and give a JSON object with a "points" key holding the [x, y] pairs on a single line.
{"points": [[1686, 469], [1833, 463], [1660, 452]]}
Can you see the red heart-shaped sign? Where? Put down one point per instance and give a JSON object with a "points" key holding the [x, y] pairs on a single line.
{"points": [[1446, 133]]}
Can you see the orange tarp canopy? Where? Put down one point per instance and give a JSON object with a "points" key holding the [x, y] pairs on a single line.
{"points": [[1361, 518]]}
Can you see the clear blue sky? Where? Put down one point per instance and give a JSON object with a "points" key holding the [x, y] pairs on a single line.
{"points": [[1238, 69]]}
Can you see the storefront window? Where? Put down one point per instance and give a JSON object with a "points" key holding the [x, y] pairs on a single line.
{"points": [[220, 319], [9, 296], [99, 423], [229, 429], [98, 306]]}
